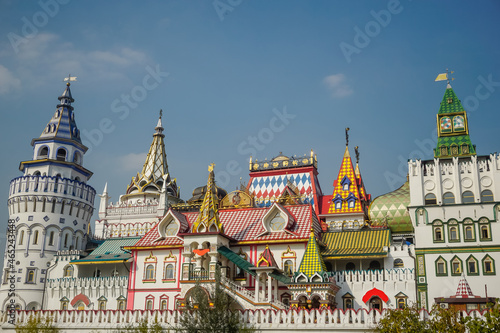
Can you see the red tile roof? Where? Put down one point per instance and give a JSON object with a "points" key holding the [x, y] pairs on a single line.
{"points": [[245, 225]]}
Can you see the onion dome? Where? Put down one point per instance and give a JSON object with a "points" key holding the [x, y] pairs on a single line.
{"points": [[392, 208]]}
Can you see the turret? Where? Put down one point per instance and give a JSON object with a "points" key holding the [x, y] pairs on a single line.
{"points": [[51, 204]]}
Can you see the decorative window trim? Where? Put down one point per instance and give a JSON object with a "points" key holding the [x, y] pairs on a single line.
{"points": [[164, 298], [28, 279], [401, 299], [445, 266], [149, 298], [399, 262], [453, 225], [466, 224], [430, 197], [151, 260], [454, 260], [345, 183], [493, 270], [170, 259], [68, 271], [435, 226], [484, 223], [271, 214], [471, 258], [289, 255]]}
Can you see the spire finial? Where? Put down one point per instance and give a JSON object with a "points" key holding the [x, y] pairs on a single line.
{"points": [[161, 113], [347, 136], [211, 167], [445, 76], [357, 154]]}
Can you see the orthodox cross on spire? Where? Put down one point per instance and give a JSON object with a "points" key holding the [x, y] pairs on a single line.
{"points": [[347, 136], [445, 76], [357, 154], [69, 79]]}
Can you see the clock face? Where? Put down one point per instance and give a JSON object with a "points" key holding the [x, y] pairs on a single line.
{"points": [[277, 223], [171, 229]]}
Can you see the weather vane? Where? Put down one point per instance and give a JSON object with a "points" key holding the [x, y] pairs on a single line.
{"points": [[69, 79], [445, 76], [347, 136], [211, 167], [357, 154]]}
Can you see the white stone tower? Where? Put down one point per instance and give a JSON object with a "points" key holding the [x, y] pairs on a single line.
{"points": [[51, 205]]}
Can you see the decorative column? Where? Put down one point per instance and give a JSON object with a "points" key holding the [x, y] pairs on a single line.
{"points": [[269, 288], [186, 266], [28, 243], [257, 281], [59, 241], [213, 263]]}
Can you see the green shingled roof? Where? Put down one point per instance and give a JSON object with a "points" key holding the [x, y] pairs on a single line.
{"points": [[109, 250], [237, 260], [454, 106], [392, 207]]}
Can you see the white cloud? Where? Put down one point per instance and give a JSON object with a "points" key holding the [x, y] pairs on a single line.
{"points": [[131, 162], [8, 82], [337, 85]]}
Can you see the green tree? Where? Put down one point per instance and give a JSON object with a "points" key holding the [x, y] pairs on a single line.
{"points": [[202, 316], [402, 320], [489, 323], [446, 320], [36, 324], [142, 327]]}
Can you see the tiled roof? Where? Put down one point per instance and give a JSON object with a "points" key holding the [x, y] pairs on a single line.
{"points": [[393, 208], [454, 106], [312, 262], [237, 260], [355, 244], [463, 290], [246, 225], [109, 250]]}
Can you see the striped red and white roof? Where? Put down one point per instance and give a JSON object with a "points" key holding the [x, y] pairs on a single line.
{"points": [[245, 225]]}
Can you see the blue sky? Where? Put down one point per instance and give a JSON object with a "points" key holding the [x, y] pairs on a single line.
{"points": [[225, 69]]}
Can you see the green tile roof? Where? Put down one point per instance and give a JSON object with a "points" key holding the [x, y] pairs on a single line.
{"points": [[109, 250], [454, 106], [237, 260], [392, 207]]}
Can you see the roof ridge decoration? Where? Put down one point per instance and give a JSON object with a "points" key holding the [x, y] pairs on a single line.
{"points": [[208, 219], [155, 169], [349, 194], [62, 125], [284, 162], [452, 124], [312, 261]]}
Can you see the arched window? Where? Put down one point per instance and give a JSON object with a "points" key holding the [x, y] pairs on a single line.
{"points": [[66, 240], [350, 266], [68, 271], [163, 305], [169, 271], [438, 232], [30, 277], [430, 199], [43, 153], [149, 304], [35, 238], [401, 302], [351, 203], [61, 154], [102, 305], [398, 263], [121, 305], [51, 238], [453, 233], [467, 197], [374, 265], [485, 231], [21, 237], [487, 196], [288, 267], [448, 198], [469, 232], [150, 272], [338, 204], [488, 266]]}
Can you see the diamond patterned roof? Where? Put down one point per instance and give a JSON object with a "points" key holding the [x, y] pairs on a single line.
{"points": [[356, 189], [392, 207], [312, 261], [454, 106], [246, 225], [463, 290], [209, 213]]}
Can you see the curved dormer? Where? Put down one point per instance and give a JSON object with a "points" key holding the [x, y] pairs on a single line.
{"points": [[277, 219], [171, 224]]}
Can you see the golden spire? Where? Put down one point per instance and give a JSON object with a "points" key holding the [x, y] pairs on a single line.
{"points": [[208, 219]]}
